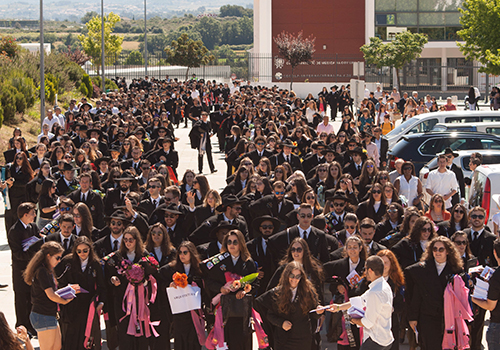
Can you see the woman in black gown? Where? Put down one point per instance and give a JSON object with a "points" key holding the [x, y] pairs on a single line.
{"points": [[82, 267], [185, 336], [234, 258], [288, 306]]}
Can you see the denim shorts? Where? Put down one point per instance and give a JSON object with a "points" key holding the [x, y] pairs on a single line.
{"points": [[43, 322]]}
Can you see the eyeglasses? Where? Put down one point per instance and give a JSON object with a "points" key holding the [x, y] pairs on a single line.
{"points": [[343, 182], [247, 163], [426, 229], [278, 193], [384, 178], [337, 204], [350, 227], [322, 170], [184, 252], [460, 242], [296, 250], [195, 182], [129, 240], [459, 212], [278, 172], [440, 249], [168, 199], [145, 168], [310, 198], [65, 209], [474, 216], [267, 227], [449, 157], [84, 251], [156, 233], [369, 166], [154, 186], [77, 216], [376, 191], [230, 242], [295, 277], [116, 223], [392, 210], [58, 258], [303, 215], [438, 200], [404, 169], [171, 216], [19, 158], [260, 143]]}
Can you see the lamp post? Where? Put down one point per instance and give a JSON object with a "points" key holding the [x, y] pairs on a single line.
{"points": [[103, 79], [42, 67], [145, 42]]}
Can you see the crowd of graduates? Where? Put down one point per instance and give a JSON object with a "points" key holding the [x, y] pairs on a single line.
{"points": [[99, 204]]}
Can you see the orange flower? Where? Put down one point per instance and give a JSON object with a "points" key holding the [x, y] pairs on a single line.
{"points": [[180, 279], [248, 288], [236, 284]]}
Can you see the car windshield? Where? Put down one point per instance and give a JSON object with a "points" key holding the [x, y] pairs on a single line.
{"points": [[399, 129]]}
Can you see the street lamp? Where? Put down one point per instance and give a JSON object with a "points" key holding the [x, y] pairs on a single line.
{"points": [[145, 42], [103, 79], [42, 67]]}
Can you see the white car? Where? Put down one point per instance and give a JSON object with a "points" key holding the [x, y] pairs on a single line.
{"points": [[462, 161], [484, 191]]}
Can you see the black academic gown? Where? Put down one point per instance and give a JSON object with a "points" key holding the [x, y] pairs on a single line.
{"points": [[236, 331], [75, 314]]}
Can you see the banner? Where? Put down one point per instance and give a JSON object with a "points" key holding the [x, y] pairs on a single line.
{"points": [[184, 299]]}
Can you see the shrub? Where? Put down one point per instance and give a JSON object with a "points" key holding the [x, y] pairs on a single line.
{"points": [[9, 45], [88, 85], [1, 115], [20, 102], [8, 100], [110, 85], [25, 86], [83, 89]]}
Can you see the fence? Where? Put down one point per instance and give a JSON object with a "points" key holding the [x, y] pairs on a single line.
{"points": [[420, 75]]}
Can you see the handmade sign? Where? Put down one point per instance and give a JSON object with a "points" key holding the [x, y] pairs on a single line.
{"points": [[184, 299]]}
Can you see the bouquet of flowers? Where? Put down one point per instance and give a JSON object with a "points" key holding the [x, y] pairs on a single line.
{"points": [[135, 273], [180, 279], [235, 283]]}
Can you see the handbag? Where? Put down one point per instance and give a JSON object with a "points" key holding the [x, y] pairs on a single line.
{"points": [[232, 307]]}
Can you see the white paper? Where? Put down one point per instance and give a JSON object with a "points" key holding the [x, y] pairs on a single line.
{"points": [[184, 299], [487, 273], [481, 290], [353, 278]]}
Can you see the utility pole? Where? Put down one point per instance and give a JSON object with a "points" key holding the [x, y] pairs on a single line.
{"points": [[42, 68], [103, 79], [145, 42]]}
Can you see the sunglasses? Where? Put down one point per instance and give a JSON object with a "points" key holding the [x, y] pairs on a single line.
{"points": [[230, 242], [426, 229], [65, 209], [298, 250], [167, 199], [440, 249], [459, 211], [404, 169], [384, 178], [438, 201], [337, 204], [305, 215], [343, 182], [322, 170], [116, 223], [369, 166], [145, 168], [295, 277], [460, 242], [392, 210], [171, 216], [247, 163], [260, 143], [80, 251], [157, 233], [376, 191], [58, 258], [154, 186], [195, 182], [129, 240], [278, 171], [350, 227], [267, 227], [474, 216], [310, 198], [184, 252], [278, 193]]}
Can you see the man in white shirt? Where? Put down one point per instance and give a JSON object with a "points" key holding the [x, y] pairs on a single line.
{"points": [[50, 120], [60, 116], [442, 181], [325, 126], [45, 132], [377, 300]]}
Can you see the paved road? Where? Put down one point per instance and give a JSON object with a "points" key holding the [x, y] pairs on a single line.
{"points": [[188, 160]]}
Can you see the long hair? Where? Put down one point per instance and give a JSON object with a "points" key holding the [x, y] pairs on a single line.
{"points": [[49, 248], [306, 293], [395, 272], [8, 339], [363, 254], [400, 210], [409, 213], [464, 223], [311, 266], [365, 178], [301, 186], [204, 185], [244, 253], [166, 245], [304, 200], [194, 258], [468, 252], [25, 165], [83, 240], [330, 180], [433, 199], [242, 168], [184, 180], [139, 246], [453, 259], [417, 229], [87, 221], [215, 193], [47, 184], [371, 200]]}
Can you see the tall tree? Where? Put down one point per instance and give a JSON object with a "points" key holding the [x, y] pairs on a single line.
{"points": [[187, 52], [91, 42], [405, 47], [210, 30], [481, 33], [295, 49]]}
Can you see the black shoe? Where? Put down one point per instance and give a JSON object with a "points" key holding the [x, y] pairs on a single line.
{"points": [[214, 171], [4, 285], [200, 172]]}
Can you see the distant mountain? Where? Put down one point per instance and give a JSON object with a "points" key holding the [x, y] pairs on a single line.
{"points": [[75, 9]]}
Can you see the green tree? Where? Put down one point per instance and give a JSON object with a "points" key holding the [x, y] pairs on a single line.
{"points": [[209, 29], [405, 47], [134, 59], [91, 42], [235, 10], [246, 27], [295, 49], [480, 32], [187, 52], [88, 16]]}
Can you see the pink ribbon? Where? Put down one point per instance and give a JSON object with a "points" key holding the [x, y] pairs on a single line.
{"points": [[199, 325], [88, 328], [216, 336], [137, 317], [262, 338]]}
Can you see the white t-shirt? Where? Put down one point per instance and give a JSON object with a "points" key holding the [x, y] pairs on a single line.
{"points": [[442, 183]]}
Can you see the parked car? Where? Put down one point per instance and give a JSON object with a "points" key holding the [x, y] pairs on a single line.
{"points": [[489, 128], [421, 148], [462, 161], [484, 191], [425, 122]]}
